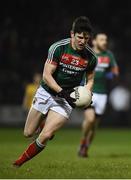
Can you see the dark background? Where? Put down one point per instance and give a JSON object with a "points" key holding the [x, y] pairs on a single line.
{"points": [[28, 28]]}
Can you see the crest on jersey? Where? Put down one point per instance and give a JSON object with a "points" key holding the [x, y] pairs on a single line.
{"points": [[34, 100]]}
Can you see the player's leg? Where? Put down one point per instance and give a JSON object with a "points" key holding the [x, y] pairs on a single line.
{"points": [[32, 122], [100, 108], [40, 127], [91, 134], [53, 122], [91, 121], [61, 107], [87, 126], [37, 113]]}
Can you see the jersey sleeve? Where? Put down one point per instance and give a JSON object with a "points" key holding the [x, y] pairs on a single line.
{"points": [[113, 62], [53, 55], [92, 64]]}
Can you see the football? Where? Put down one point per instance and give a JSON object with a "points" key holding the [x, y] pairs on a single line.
{"points": [[82, 95]]}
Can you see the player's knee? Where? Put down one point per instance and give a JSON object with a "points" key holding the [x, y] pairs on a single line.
{"points": [[28, 133], [91, 119], [90, 116]]}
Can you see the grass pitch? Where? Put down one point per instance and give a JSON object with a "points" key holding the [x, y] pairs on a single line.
{"points": [[110, 155]]}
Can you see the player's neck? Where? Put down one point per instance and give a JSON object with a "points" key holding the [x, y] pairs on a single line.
{"points": [[97, 51], [73, 44]]}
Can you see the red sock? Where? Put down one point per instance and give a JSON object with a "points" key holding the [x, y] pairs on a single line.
{"points": [[33, 149], [84, 142]]}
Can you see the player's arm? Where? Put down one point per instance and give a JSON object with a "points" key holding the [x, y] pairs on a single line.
{"points": [[114, 69], [49, 69], [91, 73], [90, 80], [114, 66], [113, 73]]}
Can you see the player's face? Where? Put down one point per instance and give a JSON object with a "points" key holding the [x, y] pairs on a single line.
{"points": [[80, 40], [101, 42]]}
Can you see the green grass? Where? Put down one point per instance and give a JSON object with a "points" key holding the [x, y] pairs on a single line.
{"points": [[110, 156]]}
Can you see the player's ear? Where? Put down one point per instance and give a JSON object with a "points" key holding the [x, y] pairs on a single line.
{"points": [[72, 34], [93, 42]]}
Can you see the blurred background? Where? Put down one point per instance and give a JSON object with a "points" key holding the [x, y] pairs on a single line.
{"points": [[28, 28]]}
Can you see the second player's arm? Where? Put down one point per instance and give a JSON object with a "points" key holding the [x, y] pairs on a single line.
{"points": [[90, 80], [115, 70], [49, 69]]}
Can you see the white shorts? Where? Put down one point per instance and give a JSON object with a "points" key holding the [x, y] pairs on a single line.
{"points": [[43, 102], [99, 103]]}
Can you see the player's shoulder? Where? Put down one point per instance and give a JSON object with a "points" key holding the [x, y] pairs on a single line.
{"points": [[110, 53], [91, 52], [59, 44]]}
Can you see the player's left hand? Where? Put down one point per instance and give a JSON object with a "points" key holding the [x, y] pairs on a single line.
{"points": [[110, 75], [66, 94]]}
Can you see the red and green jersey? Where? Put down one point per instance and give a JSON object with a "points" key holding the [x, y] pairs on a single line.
{"points": [[106, 62], [71, 64]]}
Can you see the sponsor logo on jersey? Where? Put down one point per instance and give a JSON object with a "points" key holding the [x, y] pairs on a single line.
{"points": [[74, 60], [103, 61]]}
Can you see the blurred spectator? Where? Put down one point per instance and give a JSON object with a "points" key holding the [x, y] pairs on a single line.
{"points": [[120, 100], [30, 91]]}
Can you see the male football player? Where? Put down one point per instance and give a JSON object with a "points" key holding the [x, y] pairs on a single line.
{"points": [[65, 66], [106, 69]]}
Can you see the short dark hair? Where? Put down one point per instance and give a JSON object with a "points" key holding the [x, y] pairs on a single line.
{"points": [[82, 24], [98, 32]]}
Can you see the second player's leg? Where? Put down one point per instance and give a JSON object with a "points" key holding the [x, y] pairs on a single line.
{"points": [[100, 104], [89, 120], [91, 133], [87, 131]]}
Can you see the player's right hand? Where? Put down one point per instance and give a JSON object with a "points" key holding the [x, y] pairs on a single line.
{"points": [[66, 94]]}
